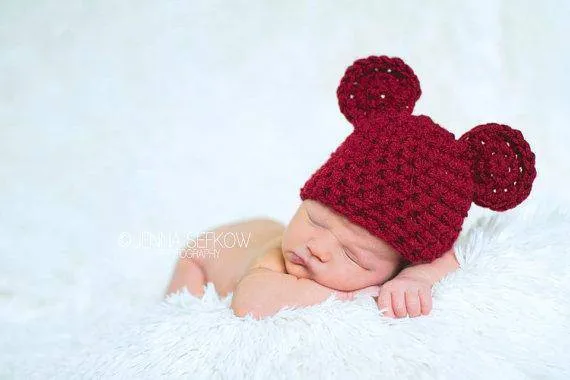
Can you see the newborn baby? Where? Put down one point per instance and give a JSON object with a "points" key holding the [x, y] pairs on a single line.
{"points": [[380, 217], [319, 253]]}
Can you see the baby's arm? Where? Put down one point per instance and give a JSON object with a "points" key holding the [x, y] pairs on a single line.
{"points": [[263, 292], [436, 270]]}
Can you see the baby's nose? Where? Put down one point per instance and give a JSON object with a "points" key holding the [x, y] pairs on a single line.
{"points": [[319, 250]]}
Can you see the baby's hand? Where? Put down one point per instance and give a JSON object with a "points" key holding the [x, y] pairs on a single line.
{"points": [[406, 294]]}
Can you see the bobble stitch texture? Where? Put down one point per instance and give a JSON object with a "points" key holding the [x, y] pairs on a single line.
{"points": [[377, 86], [503, 165]]}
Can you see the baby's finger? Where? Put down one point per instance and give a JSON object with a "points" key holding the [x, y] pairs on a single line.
{"points": [[413, 303], [385, 302], [399, 304], [425, 301]]}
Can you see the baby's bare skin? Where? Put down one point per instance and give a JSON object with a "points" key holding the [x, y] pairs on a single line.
{"points": [[224, 261]]}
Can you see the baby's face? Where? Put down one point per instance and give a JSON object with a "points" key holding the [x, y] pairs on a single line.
{"points": [[336, 252]]}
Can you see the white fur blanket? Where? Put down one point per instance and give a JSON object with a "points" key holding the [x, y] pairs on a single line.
{"points": [[504, 313]]}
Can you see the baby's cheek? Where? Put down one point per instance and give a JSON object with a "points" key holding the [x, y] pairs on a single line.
{"points": [[293, 236], [345, 279], [386, 272]]}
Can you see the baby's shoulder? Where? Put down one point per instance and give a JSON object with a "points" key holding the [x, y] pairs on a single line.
{"points": [[270, 257]]}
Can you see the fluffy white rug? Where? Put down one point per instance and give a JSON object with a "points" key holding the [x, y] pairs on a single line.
{"points": [[504, 313]]}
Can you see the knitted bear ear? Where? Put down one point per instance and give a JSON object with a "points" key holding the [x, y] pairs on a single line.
{"points": [[377, 86], [502, 165]]}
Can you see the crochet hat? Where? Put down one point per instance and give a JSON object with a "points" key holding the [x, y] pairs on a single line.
{"points": [[403, 177]]}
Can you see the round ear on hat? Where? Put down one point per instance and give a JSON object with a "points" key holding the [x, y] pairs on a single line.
{"points": [[502, 165], [377, 86]]}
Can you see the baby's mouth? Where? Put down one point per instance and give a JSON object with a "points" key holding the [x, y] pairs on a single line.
{"points": [[296, 259]]}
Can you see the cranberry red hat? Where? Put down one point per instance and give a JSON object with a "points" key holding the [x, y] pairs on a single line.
{"points": [[406, 179]]}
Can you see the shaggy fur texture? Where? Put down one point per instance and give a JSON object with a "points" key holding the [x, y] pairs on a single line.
{"points": [[503, 313]]}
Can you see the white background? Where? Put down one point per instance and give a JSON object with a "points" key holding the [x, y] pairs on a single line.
{"points": [[173, 117]]}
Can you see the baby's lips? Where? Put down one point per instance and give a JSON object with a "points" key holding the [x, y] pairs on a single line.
{"points": [[303, 253], [298, 259]]}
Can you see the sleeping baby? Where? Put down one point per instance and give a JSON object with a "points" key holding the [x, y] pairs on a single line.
{"points": [[379, 217]]}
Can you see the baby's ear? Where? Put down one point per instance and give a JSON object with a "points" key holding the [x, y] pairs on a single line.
{"points": [[377, 86]]}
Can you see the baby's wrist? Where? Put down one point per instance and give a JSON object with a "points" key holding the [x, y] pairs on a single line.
{"points": [[420, 271], [436, 270]]}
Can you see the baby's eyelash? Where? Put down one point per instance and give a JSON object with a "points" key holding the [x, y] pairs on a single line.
{"points": [[313, 221], [349, 256]]}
